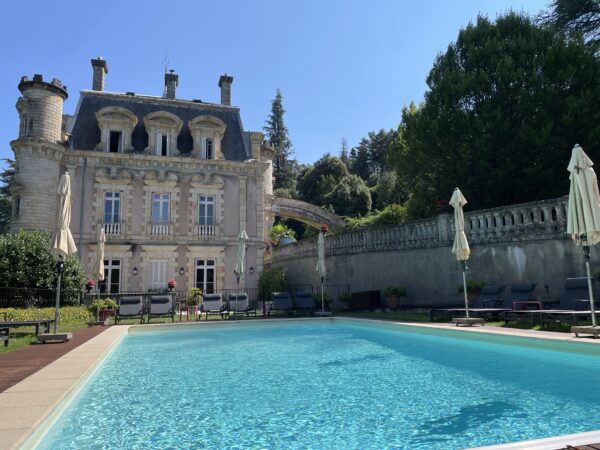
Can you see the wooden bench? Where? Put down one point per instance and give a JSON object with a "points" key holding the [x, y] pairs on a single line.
{"points": [[5, 336], [28, 323]]}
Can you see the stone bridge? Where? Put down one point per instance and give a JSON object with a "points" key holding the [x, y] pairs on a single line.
{"points": [[304, 212]]}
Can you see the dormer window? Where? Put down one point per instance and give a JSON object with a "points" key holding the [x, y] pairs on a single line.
{"points": [[207, 132], [115, 142], [116, 126], [162, 128]]}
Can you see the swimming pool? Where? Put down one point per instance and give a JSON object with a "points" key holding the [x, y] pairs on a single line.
{"points": [[330, 384]]}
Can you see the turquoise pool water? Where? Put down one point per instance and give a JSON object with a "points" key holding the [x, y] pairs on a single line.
{"points": [[329, 385]]}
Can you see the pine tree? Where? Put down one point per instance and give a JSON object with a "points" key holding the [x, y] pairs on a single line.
{"points": [[344, 154], [6, 177], [277, 136], [581, 16]]}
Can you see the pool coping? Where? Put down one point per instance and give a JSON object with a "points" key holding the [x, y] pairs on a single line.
{"points": [[29, 408]]}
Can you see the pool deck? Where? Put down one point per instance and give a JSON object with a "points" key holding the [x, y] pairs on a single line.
{"points": [[26, 406]]}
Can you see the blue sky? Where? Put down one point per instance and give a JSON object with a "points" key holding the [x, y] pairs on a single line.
{"points": [[344, 67]]}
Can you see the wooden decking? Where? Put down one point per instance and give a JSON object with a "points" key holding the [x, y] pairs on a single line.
{"points": [[19, 364]]}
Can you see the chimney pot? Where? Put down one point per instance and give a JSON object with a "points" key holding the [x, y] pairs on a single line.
{"points": [[171, 82], [100, 68], [225, 85]]}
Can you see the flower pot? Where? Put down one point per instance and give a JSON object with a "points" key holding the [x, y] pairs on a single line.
{"points": [[393, 301]]}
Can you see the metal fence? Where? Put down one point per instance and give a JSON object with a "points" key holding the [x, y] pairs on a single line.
{"points": [[43, 298]]}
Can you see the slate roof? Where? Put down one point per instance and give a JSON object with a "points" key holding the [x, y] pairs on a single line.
{"points": [[85, 134]]}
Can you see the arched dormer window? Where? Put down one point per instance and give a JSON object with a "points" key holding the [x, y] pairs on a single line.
{"points": [[116, 126], [207, 132], [162, 128]]}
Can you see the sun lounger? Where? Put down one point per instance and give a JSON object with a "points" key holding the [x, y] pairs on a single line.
{"points": [[5, 336], [574, 299], [282, 302], [239, 304], [489, 302], [130, 306], [161, 306], [305, 302], [212, 304]]}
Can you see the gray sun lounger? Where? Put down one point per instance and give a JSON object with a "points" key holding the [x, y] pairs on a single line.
{"points": [[489, 302], [305, 302], [212, 305], [282, 302], [130, 306], [240, 305], [161, 306]]}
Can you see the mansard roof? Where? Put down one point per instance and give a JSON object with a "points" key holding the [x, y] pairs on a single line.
{"points": [[85, 134]]}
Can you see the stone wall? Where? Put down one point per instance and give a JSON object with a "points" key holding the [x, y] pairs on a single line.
{"points": [[518, 243]]}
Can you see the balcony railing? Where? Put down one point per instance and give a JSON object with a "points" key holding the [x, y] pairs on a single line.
{"points": [[206, 230], [113, 228], [160, 229]]}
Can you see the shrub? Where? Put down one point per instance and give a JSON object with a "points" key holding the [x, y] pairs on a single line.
{"points": [[68, 314], [194, 297], [394, 290], [473, 286], [272, 280], [106, 303]]}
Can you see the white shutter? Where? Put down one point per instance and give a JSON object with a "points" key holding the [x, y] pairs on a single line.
{"points": [[203, 148]]}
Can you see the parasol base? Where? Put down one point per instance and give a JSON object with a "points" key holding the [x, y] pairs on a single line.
{"points": [[468, 322], [47, 337], [594, 331], [323, 313], [97, 322]]}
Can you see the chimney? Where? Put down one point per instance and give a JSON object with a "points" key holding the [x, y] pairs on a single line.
{"points": [[171, 81], [225, 85], [100, 70]]}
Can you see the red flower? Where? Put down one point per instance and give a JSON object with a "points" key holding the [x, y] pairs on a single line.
{"points": [[90, 283], [172, 283], [324, 227]]}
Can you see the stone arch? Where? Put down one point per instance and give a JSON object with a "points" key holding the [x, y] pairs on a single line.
{"points": [[305, 212]]}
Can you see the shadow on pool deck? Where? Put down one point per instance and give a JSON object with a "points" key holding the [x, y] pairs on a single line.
{"points": [[25, 361]]}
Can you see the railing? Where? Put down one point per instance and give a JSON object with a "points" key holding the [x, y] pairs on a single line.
{"points": [[545, 219], [112, 228], [160, 229], [206, 230]]}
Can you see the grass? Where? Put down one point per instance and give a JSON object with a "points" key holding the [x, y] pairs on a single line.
{"points": [[20, 337]]}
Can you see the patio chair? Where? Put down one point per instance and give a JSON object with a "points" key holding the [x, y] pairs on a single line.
{"points": [[212, 305], [161, 306], [305, 302], [130, 306], [239, 303], [574, 303], [282, 302]]}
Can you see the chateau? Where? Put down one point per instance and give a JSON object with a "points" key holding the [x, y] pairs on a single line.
{"points": [[172, 181]]}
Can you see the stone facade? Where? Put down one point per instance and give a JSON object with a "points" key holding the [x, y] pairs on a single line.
{"points": [[174, 216]]}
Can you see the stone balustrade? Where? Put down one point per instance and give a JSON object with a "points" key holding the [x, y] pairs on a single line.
{"points": [[546, 219]]}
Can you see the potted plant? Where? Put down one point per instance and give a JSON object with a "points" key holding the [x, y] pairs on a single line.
{"points": [[89, 285], [473, 289], [171, 283], [393, 293], [195, 297], [344, 300]]}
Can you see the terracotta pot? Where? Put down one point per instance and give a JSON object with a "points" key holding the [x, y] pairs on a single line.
{"points": [[393, 301]]}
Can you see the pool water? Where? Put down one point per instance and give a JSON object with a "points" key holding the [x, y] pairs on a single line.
{"points": [[329, 385]]}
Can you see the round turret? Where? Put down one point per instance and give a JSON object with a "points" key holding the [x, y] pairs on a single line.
{"points": [[41, 108]]}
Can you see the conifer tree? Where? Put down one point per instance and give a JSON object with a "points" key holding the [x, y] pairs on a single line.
{"points": [[278, 137]]}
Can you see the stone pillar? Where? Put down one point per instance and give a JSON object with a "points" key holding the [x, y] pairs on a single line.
{"points": [[171, 82]]}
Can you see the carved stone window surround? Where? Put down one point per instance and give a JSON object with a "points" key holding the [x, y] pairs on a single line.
{"points": [[207, 127], [162, 122], [116, 118]]}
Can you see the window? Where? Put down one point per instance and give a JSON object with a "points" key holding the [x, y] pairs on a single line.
{"points": [[115, 142], [158, 275], [160, 208], [206, 210], [17, 205], [112, 207], [205, 275], [209, 149], [162, 144], [112, 277]]}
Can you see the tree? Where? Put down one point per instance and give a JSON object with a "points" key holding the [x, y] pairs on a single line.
{"points": [[368, 159], [344, 154], [350, 197], [284, 166], [316, 181], [6, 177], [505, 105], [26, 261], [387, 191], [579, 16]]}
